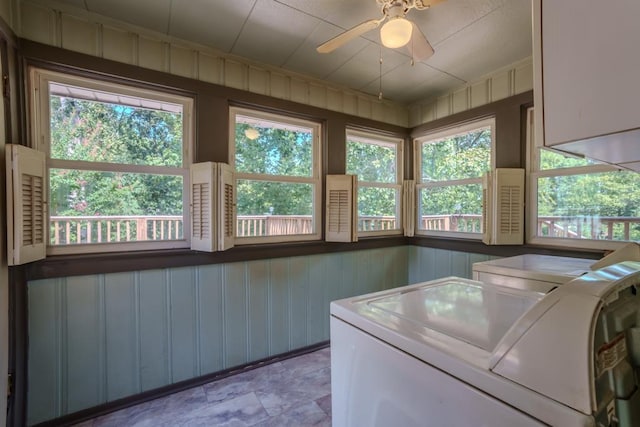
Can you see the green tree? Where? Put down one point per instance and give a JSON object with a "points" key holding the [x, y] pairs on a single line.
{"points": [[278, 153], [455, 158], [97, 132]]}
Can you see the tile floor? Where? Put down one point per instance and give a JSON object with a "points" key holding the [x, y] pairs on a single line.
{"points": [[293, 392]]}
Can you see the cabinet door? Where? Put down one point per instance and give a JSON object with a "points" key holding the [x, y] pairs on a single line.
{"points": [[590, 67]]}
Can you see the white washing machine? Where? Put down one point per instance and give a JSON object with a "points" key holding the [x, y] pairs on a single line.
{"points": [[540, 273], [458, 352]]}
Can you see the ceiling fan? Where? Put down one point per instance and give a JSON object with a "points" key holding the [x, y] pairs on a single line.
{"points": [[396, 32]]}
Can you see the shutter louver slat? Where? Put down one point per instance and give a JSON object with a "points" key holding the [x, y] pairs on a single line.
{"points": [[509, 218], [212, 206], [196, 214], [201, 211], [228, 210], [26, 205], [226, 207], [341, 209], [338, 210], [202, 231], [503, 207]]}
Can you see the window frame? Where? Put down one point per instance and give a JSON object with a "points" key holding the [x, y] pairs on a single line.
{"points": [[39, 112], [534, 173], [438, 134], [373, 138], [315, 179]]}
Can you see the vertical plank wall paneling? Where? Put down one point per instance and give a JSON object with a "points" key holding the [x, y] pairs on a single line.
{"points": [[122, 330], [73, 29], [153, 315], [513, 80], [182, 315], [83, 371], [258, 309], [210, 282], [235, 315], [430, 263], [94, 339]]}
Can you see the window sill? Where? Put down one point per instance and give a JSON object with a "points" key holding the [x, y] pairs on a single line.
{"points": [[87, 264]]}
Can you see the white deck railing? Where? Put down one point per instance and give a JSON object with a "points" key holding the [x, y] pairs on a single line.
{"points": [[66, 230]]}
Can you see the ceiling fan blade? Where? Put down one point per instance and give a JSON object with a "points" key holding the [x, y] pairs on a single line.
{"points": [[340, 39], [419, 47]]}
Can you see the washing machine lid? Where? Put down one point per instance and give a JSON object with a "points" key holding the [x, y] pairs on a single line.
{"points": [[548, 268], [471, 312], [463, 318]]}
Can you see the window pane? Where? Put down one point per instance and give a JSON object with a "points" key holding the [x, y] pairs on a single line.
{"points": [[377, 209], [603, 206], [267, 147], [372, 162], [274, 208], [107, 207], [467, 155], [553, 160], [455, 208], [114, 133]]}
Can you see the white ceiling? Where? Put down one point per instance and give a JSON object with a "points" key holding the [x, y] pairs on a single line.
{"points": [[471, 38]]}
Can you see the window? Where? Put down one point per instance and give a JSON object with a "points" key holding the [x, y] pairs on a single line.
{"points": [[449, 169], [117, 163], [580, 202], [377, 161], [277, 164]]}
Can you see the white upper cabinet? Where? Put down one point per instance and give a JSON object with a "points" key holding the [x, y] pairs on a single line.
{"points": [[587, 68]]}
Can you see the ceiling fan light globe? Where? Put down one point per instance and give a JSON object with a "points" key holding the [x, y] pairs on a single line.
{"points": [[396, 32], [251, 133]]}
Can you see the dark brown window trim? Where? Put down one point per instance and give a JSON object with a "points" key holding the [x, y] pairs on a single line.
{"points": [[477, 247], [88, 264], [213, 101]]}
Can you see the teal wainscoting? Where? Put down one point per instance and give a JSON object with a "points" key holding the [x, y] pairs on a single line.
{"points": [[95, 339], [430, 264]]}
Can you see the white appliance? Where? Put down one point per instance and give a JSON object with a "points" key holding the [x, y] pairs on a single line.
{"points": [[539, 273], [458, 352]]}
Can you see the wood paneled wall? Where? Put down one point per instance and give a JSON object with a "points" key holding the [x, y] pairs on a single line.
{"points": [[501, 84], [96, 36], [94, 339]]}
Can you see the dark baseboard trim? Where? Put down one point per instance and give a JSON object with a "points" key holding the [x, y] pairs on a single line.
{"points": [[96, 411]]}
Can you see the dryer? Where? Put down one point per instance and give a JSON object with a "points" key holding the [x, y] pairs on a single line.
{"points": [[459, 352]]}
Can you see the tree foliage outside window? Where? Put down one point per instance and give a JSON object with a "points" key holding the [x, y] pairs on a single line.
{"points": [[451, 165], [376, 160], [116, 160], [277, 175], [461, 156], [578, 199], [87, 131]]}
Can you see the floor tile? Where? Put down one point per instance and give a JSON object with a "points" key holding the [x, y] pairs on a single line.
{"points": [[307, 414], [291, 392], [325, 404]]}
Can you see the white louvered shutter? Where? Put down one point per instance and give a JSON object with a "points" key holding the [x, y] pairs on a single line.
{"points": [[227, 207], [212, 207], [341, 208], [409, 207], [26, 205], [503, 207], [203, 206]]}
